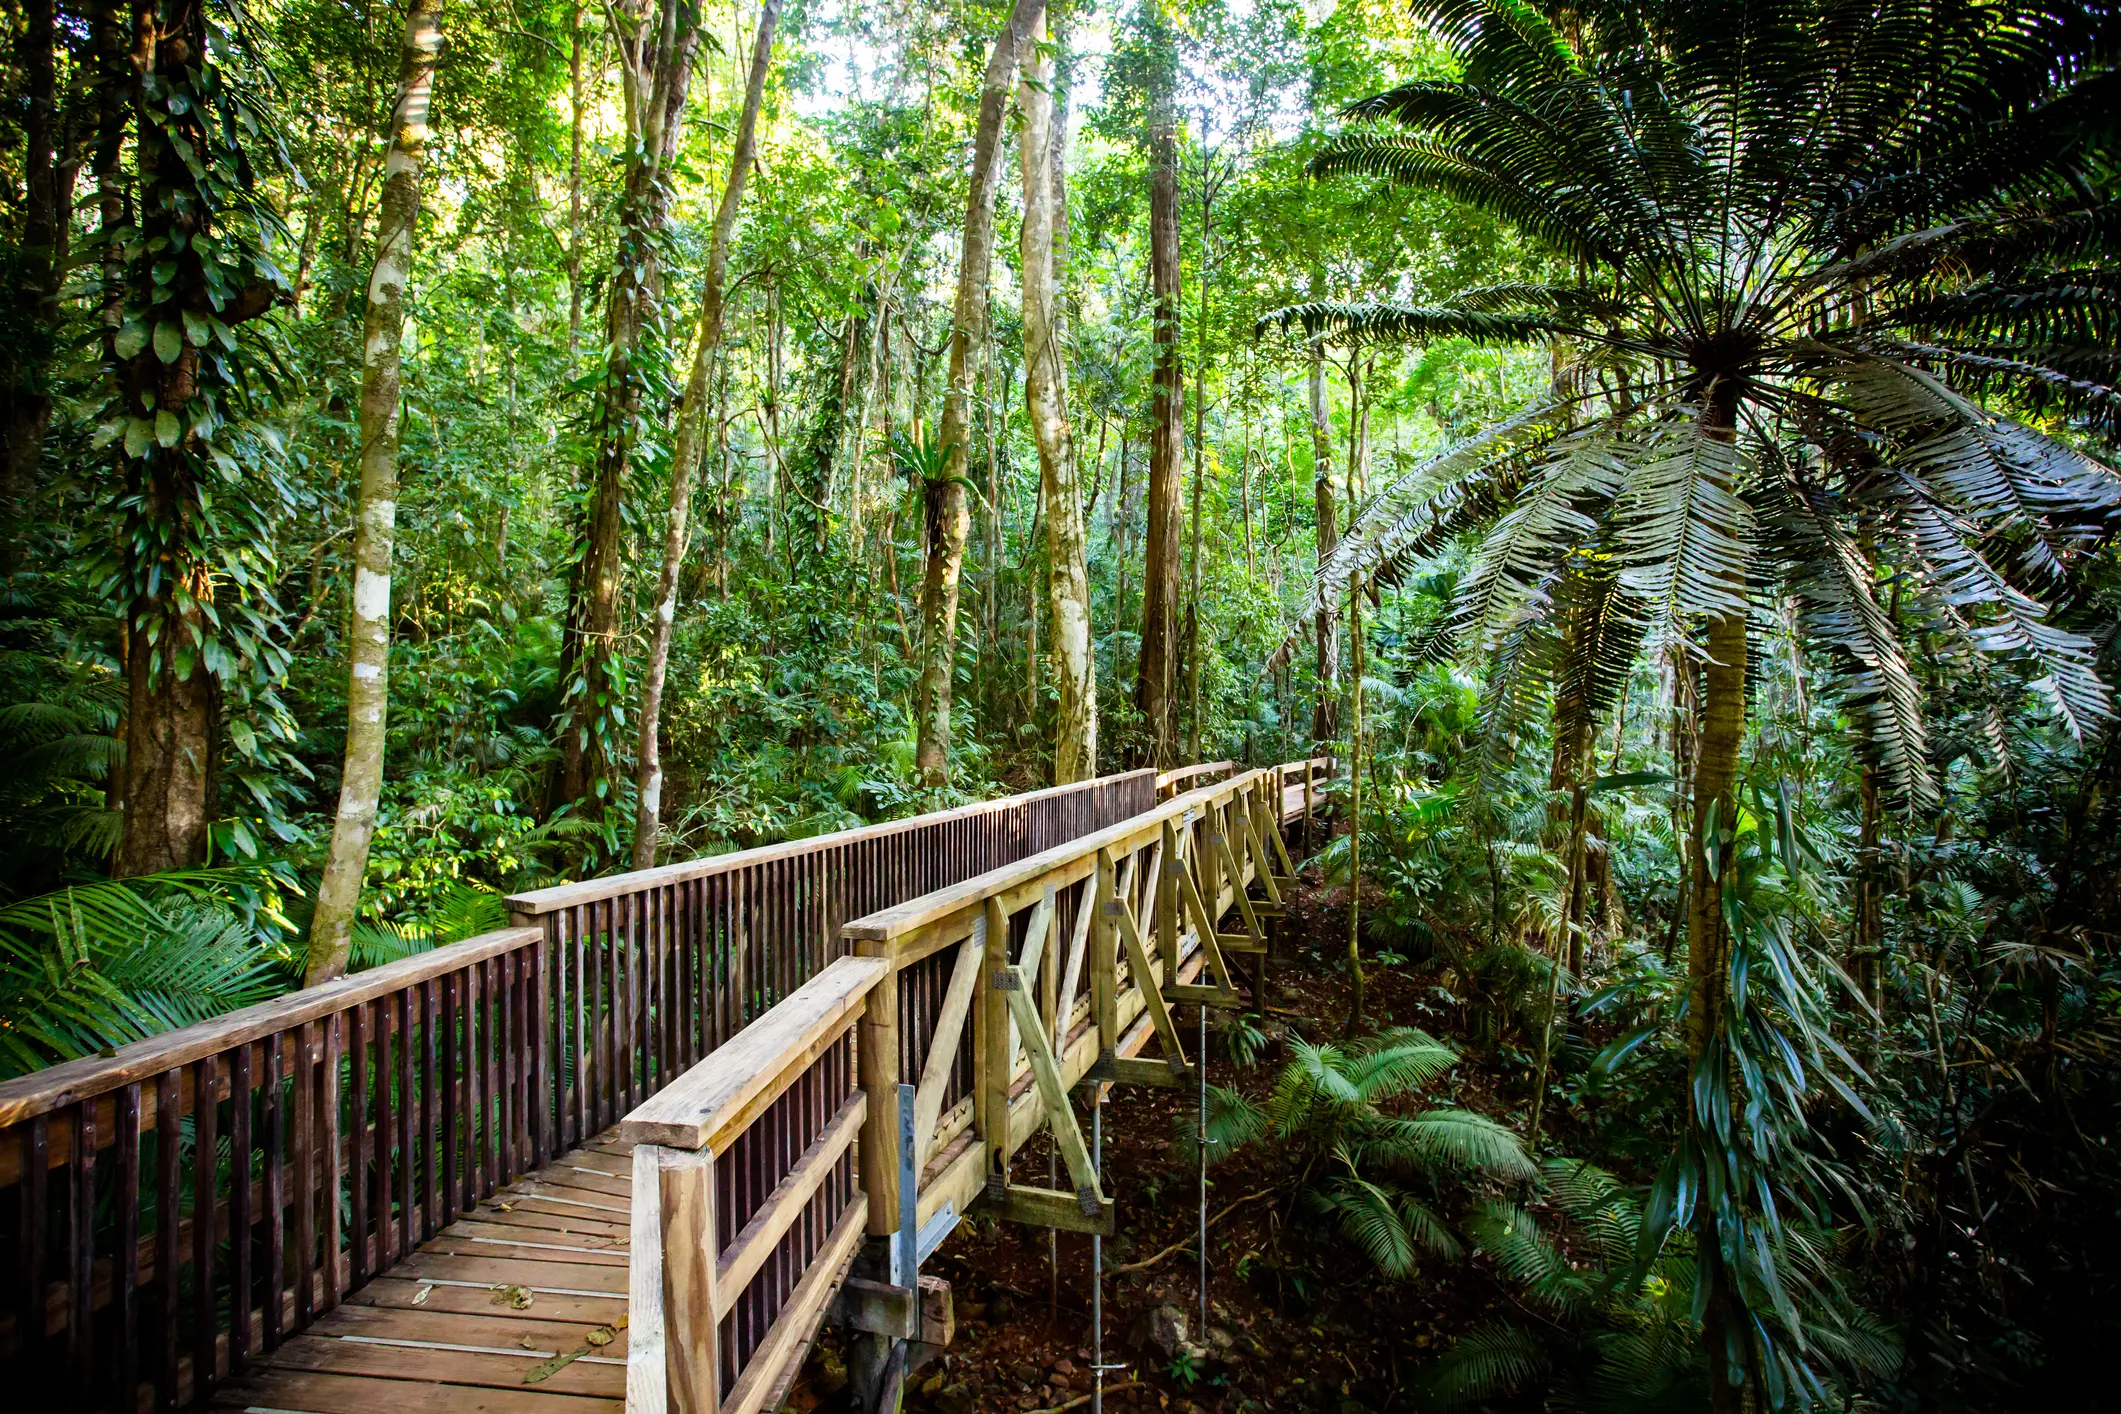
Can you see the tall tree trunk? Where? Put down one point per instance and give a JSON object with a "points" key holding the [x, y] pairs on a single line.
{"points": [[383, 327], [1156, 680], [1046, 400], [691, 424], [655, 59], [574, 180], [169, 584], [1722, 736], [29, 405], [946, 521], [1325, 711], [1355, 987]]}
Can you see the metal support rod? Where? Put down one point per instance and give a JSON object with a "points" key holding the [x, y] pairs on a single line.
{"points": [[1201, 1336], [908, 1264], [1097, 1257]]}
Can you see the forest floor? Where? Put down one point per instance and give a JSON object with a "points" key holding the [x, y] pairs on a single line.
{"points": [[1298, 1320]]}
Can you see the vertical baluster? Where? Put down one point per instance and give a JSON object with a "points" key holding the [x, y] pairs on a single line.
{"points": [[430, 1102], [329, 1132], [450, 1078], [275, 1270], [357, 1145], [240, 1212], [31, 1321], [169, 1154], [511, 1072], [580, 1124], [474, 1120], [542, 1087], [205, 1220], [81, 1265], [125, 1268], [407, 1102], [386, 1245], [303, 1170]]}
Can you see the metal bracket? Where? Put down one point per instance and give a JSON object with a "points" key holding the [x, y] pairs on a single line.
{"points": [[1086, 1198], [1005, 979]]}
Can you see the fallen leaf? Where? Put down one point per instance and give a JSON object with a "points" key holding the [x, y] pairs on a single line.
{"points": [[419, 1298], [520, 1297], [620, 1323], [601, 1336], [529, 1344]]}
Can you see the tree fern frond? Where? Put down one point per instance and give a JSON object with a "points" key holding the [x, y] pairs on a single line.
{"points": [[1488, 1361], [1681, 532]]}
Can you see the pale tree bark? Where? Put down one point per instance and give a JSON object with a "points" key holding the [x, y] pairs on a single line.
{"points": [[656, 46], [1155, 680], [691, 426], [383, 327], [1046, 398], [1325, 714], [947, 521]]}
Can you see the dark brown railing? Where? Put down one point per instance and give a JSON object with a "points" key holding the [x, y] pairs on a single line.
{"points": [[151, 1245]]}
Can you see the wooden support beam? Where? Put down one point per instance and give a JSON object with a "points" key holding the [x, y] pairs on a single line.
{"points": [[942, 1051], [902, 1313], [1204, 996], [1152, 997], [1168, 1073], [1067, 1135], [1043, 1207], [995, 1060], [1104, 966], [1240, 943], [1204, 928]]}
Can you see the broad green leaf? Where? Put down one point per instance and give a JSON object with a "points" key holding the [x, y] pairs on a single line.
{"points": [[168, 428], [169, 341]]}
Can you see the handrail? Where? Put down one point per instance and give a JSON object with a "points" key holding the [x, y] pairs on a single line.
{"points": [[538, 902], [744, 1167], [70, 1082], [1166, 780]]}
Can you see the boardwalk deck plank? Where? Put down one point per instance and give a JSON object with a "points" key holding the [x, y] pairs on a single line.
{"points": [[432, 1334]]}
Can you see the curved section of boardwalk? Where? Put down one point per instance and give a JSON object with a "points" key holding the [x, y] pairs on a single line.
{"points": [[518, 1307], [347, 1200]]}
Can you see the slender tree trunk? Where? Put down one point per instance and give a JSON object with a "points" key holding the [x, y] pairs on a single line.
{"points": [[574, 181], [691, 420], [1355, 987], [1046, 399], [1325, 712], [29, 404], [1156, 681], [946, 521], [1722, 736], [383, 326], [656, 66]]}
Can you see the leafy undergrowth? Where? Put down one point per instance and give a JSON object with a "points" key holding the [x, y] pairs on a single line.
{"points": [[1299, 1320]]}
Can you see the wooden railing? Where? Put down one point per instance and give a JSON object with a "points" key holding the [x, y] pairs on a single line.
{"points": [[1185, 778], [151, 1245], [678, 959], [1065, 965], [156, 1241], [746, 1213]]}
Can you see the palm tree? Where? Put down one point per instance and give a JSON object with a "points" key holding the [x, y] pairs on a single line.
{"points": [[1843, 308]]}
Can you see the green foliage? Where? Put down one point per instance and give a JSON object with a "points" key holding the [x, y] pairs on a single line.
{"points": [[1387, 1171], [95, 966]]}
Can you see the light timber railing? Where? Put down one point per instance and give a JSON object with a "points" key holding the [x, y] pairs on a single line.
{"points": [[151, 1245], [746, 1213], [1007, 989]]}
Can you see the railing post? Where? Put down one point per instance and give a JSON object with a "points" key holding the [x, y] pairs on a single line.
{"points": [[673, 1359], [877, 1057], [991, 1068]]}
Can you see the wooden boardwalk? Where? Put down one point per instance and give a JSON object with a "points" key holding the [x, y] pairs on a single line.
{"points": [[519, 1307]]}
